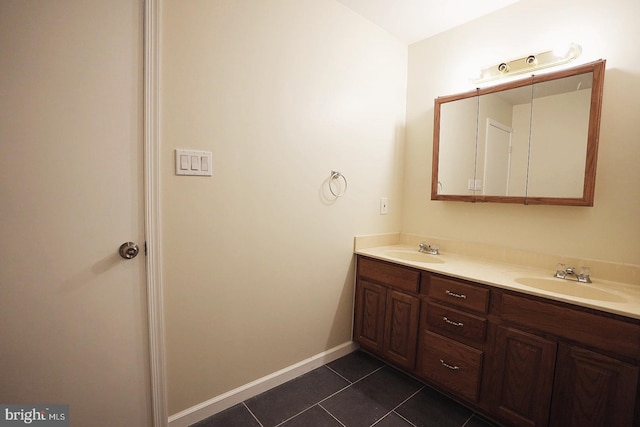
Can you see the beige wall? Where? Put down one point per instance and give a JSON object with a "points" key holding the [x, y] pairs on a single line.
{"points": [[444, 64], [258, 270]]}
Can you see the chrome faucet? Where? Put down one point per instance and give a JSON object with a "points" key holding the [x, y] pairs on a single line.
{"points": [[569, 273], [428, 249]]}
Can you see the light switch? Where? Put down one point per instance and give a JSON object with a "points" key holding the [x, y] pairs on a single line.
{"points": [[184, 162], [193, 162]]}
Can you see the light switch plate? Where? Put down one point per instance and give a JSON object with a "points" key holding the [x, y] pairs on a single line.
{"points": [[193, 162], [474, 184]]}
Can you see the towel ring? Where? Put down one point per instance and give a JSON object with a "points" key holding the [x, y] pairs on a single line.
{"points": [[335, 175]]}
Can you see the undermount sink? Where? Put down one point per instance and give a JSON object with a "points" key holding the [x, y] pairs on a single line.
{"points": [[412, 256], [569, 288]]}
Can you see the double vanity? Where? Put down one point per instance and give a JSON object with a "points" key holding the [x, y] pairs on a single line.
{"points": [[507, 339]]}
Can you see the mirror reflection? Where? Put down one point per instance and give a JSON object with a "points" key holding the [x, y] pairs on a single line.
{"points": [[503, 141], [559, 131], [458, 123], [529, 141]]}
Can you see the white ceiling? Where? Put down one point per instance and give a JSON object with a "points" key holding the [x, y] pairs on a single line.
{"points": [[414, 20]]}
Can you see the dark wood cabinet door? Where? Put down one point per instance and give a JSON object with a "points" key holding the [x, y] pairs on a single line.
{"points": [[524, 368], [401, 329], [369, 316], [592, 390]]}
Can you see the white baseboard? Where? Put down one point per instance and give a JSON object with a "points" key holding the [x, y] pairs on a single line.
{"points": [[224, 401]]}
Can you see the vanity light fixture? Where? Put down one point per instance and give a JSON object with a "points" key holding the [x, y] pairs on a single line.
{"points": [[530, 63]]}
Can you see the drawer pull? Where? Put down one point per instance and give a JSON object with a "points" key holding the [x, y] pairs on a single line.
{"points": [[451, 322], [446, 365], [453, 294]]}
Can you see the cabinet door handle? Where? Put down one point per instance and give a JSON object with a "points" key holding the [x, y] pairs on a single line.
{"points": [[453, 294], [446, 365], [451, 322]]}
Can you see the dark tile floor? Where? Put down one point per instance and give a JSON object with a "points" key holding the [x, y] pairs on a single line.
{"points": [[356, 390]]}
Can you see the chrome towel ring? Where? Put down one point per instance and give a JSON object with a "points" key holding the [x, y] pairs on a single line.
{"points": [[335, 176]]}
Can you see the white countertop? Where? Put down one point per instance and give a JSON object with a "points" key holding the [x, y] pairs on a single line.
{"points": [[623, 299]]}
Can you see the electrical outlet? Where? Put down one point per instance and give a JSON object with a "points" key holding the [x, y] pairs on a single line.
{"points": [[384, 205]]}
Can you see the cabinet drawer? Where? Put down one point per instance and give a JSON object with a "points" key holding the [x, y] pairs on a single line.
{"points": [[389, 274], [451, 364], [459, 294], [456, 324]]}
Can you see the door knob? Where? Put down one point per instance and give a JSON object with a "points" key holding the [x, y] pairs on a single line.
{"points": [[128, 250]]}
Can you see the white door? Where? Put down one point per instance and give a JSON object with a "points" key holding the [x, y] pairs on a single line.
{"points": [[497, 161], [72, 311]]}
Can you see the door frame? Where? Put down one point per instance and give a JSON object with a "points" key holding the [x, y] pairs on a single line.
{"points": [[151, 131], [508, 129]]}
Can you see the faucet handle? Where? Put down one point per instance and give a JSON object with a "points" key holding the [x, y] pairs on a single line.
{"points": [[561, 271], [584, 276]]}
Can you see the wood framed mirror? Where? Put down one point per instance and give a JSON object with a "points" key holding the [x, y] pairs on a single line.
{"points": [[530, 141]]}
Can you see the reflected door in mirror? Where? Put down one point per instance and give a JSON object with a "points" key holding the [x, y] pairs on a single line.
{"points": [[503, 112]]}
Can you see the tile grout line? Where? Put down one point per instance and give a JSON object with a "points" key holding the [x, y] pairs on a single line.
{"points": [[404, 418], [252, 414], [338, 374], [473, 415], [325, 410], [350, 383], [399, 405], [347, 386], [468, 419], [293, 416], [344, 388]]}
